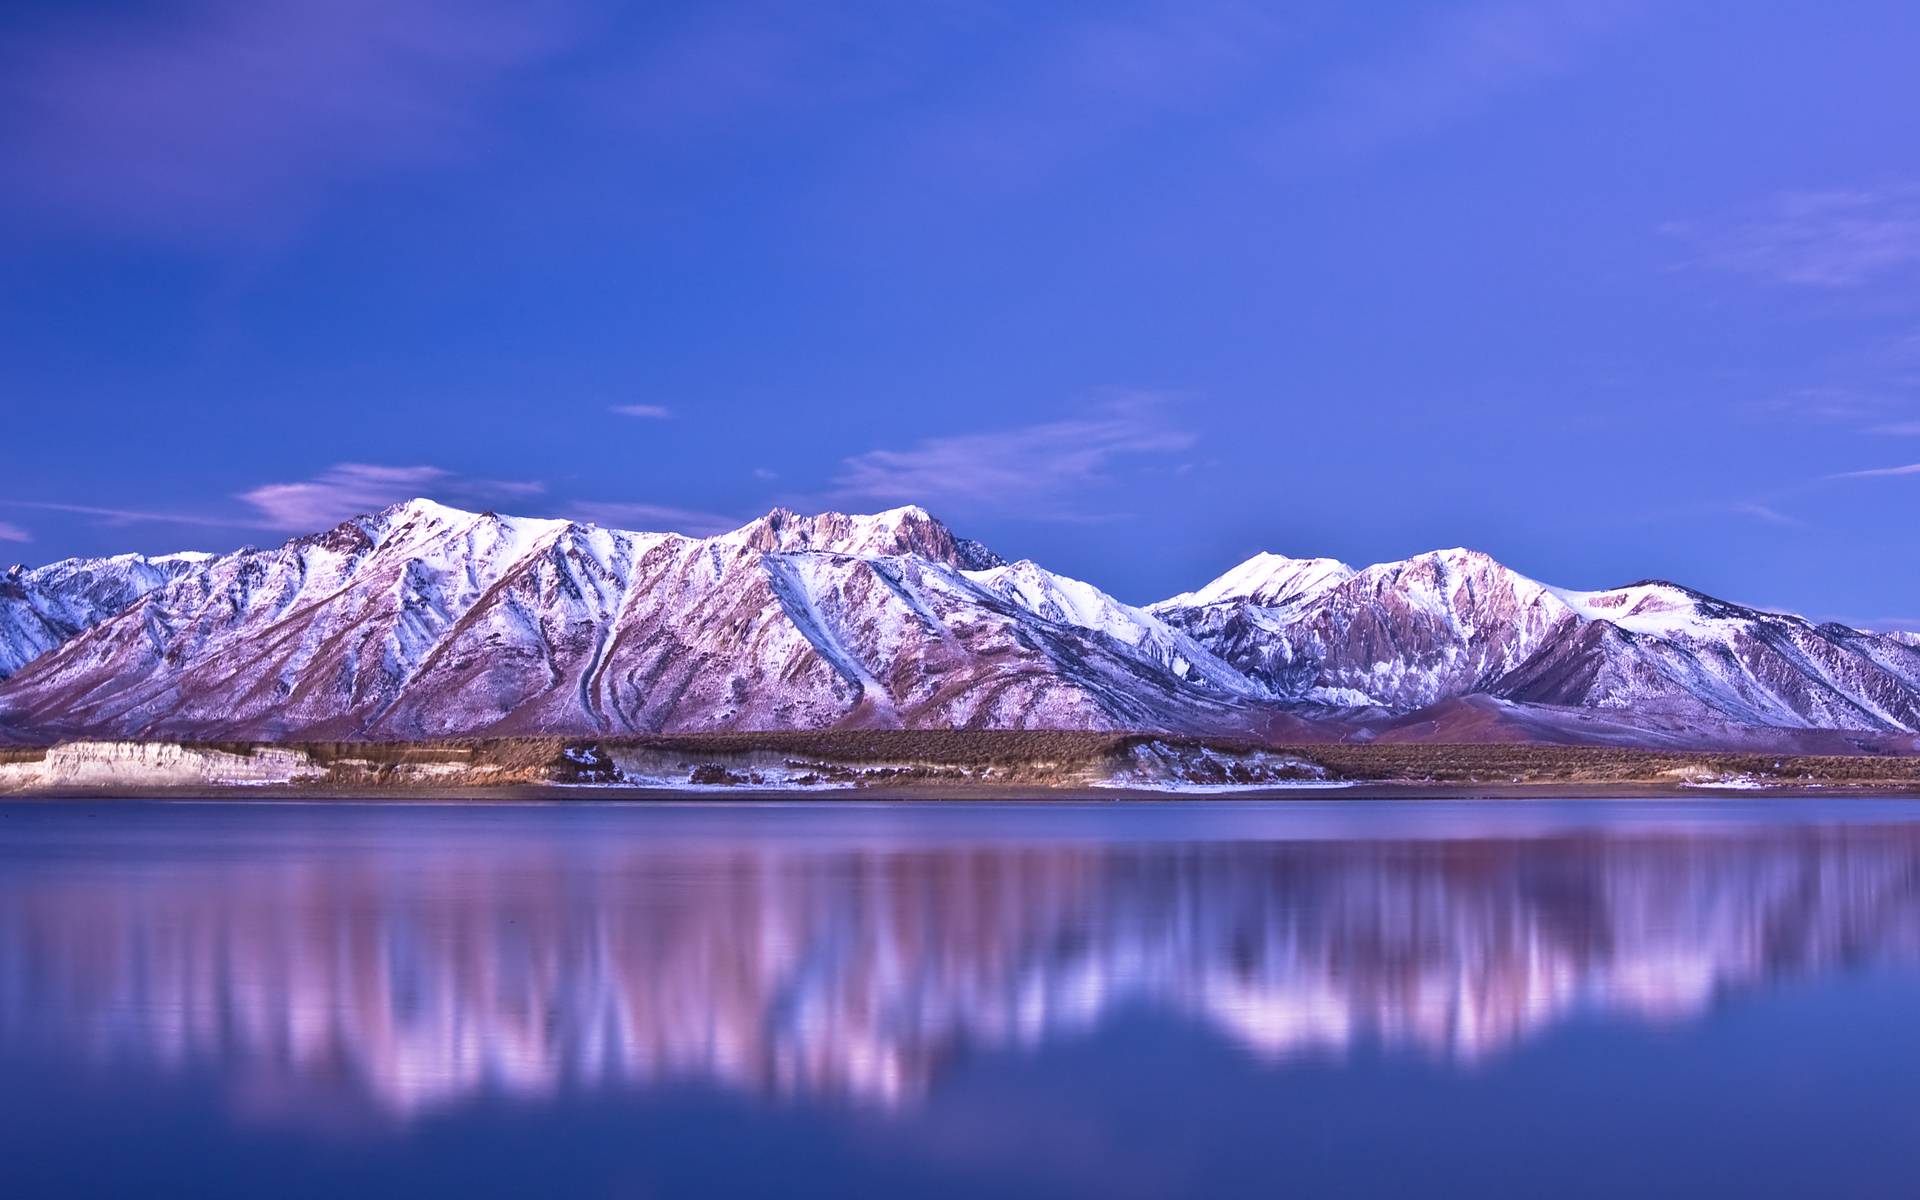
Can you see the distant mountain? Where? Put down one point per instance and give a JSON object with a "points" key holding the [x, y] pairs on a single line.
{"points": [[425, 621], [1401, 636]]}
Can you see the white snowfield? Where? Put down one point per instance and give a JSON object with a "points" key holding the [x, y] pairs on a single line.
{"points": [[428, 621]]}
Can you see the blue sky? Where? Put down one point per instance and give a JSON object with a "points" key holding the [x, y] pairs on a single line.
{"points": [[1611, 290]]}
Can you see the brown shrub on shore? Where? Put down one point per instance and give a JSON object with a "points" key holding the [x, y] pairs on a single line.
{"points": [[1592, 764]]}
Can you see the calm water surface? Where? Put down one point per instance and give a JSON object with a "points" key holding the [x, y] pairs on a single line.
{"points": [[1566, 999]]}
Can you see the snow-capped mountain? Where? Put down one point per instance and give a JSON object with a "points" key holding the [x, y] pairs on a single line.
{"points": [[424, 621], [1404, 635], [39, 609], [1396, 636]]}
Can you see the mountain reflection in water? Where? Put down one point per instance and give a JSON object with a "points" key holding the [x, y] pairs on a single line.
{"points": [[421, 970]]}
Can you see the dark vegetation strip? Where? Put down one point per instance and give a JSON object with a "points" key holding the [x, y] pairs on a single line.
{"points": [[1068, 750], [1589, 764]]}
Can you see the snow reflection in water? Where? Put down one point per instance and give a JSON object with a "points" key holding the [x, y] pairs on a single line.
{"points": [[421, 970]]}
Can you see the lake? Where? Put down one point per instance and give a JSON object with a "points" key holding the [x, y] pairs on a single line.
{"points": [[1689, 998]]}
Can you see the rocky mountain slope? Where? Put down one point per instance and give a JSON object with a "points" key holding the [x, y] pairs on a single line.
{"points": [[425, 621], [39, 609]]}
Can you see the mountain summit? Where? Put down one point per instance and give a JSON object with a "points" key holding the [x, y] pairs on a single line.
{"points": [[908, 530]]}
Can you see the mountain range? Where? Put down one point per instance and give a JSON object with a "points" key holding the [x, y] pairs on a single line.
{"points": [[423, 621]]}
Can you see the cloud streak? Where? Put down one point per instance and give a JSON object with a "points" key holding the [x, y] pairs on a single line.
{"points": [[1844, 238], [1772, 516], [350, 489], [13, 533], [128, 516], [650, 411], [1909, 469], [1037, 470], [342, 491]]}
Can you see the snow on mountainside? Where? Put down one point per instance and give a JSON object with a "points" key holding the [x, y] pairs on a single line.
{"points": [[1070, 602], [1397, 635], [43, 607], [1401, 636], [425, 621], [1660, 648]]}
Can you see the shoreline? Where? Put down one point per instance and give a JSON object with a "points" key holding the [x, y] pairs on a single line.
{"points": [[941, 765], [1411, 791]]}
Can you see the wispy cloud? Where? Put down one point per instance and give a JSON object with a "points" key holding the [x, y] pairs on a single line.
{"points": [[212, 118], [495, 489], [13, 533], [130, 516], [1833, 239], [654, 411], [1772, 516], [1898, 429], [349, 489], [1909, 469], [342, 491], [652, 518], [1038, 470]]}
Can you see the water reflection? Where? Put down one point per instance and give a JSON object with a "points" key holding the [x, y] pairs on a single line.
{"points": [[417, 971]]}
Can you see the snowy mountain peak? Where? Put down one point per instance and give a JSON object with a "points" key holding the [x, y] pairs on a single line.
{"points": [[424, 620], [414, 512], [1460, 581], [1269, 581], [421, 525], [906, 530], [1650, 607]]}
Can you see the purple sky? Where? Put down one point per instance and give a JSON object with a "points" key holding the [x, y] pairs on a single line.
{"points": [[1608, 289]]}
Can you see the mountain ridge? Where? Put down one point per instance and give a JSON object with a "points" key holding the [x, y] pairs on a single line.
{"points": [[425, 621]]}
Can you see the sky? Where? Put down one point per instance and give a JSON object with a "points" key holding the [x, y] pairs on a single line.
{"points": [[1609, 289]]}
